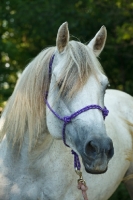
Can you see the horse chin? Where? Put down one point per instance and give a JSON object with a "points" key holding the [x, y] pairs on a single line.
{"points": [[91, 170]]}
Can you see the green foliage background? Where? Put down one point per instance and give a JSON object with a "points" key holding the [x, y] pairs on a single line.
{"points": [[28, 26]]}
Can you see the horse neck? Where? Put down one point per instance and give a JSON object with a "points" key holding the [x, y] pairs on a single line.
{"points": [[43, 144], [28, 154]]}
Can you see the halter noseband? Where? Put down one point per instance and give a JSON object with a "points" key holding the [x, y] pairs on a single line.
{"points": [[68, 119]]}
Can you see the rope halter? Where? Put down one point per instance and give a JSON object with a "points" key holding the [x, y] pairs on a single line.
{"points": [[66, 120]]}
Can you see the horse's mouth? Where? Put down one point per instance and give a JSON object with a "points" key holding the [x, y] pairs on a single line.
{"points": [[97, 170]]}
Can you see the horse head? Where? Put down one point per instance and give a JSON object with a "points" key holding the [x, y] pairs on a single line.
{"points": [[77, 80]]}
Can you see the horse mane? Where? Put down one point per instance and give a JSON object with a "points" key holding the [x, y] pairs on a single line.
{"points": [[25, 110]]}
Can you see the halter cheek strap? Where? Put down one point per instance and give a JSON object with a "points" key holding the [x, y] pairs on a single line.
{"points": [[68, 119]]}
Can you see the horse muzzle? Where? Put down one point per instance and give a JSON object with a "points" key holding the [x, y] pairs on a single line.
{"points": [[97, 154], [98, 166]]}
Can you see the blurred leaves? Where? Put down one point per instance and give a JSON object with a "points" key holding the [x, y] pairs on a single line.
{"points": [[121, 194]]}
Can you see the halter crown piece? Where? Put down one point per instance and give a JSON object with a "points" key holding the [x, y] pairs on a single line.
{"points": [[68, 119]]}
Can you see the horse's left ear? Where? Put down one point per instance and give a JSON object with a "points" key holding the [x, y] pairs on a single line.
{"points": [[62, 37], [98, 42]]}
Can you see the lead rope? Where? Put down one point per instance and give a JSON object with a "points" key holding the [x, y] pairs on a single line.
{"points": [[67, 119], [81, 182]]}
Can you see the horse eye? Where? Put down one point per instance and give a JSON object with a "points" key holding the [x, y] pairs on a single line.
{"points": [[60, 83]]}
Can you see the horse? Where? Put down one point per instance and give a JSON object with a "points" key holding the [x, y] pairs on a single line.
{"points": [[60, 103]]}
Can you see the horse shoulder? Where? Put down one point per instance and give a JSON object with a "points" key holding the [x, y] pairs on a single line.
{"points": [[128, 179], [15, 183]]}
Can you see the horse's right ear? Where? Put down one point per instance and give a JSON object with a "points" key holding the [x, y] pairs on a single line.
{"points": [[62, 37]]}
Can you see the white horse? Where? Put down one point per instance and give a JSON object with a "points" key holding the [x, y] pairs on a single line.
{"points": [[34, 162]]}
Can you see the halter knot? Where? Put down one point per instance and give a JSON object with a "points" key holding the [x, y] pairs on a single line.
{"points": [[105, 112], [67, 120]]}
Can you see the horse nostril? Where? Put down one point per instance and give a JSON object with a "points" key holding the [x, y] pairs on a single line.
{"points": [[96, 146], [110, 152], [91, 147]]}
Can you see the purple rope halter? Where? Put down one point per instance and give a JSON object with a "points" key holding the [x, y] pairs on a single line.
{"points": [[68, 119]]}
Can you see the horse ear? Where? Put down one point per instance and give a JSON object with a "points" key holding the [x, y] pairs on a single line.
{"points": [[62, 37], [98, 42]]}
